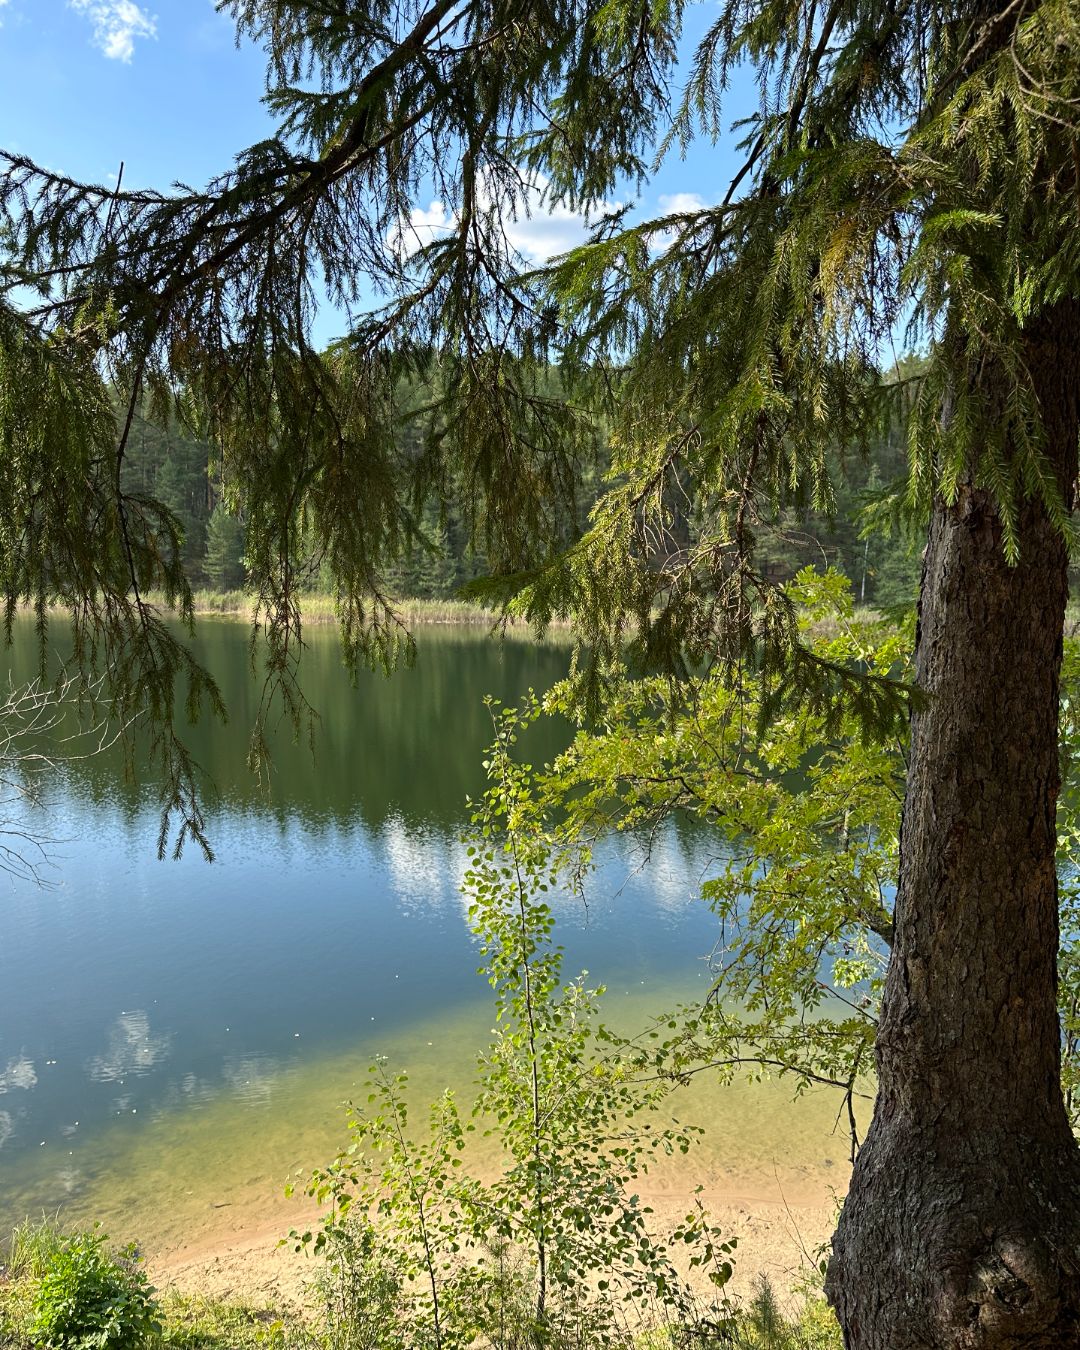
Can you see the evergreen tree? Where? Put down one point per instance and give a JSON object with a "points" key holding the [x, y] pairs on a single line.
{"points": [[183, 492], [916, 158], [224, 560]]}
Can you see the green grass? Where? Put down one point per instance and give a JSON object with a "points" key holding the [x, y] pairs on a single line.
{"points": [[320, 608], [195, 1322], [32, 1246]]}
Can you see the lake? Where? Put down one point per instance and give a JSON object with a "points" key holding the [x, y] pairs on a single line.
{"points": [[176, 1038]]}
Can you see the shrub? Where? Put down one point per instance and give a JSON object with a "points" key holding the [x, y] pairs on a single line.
{"points": [[87, 1298]]}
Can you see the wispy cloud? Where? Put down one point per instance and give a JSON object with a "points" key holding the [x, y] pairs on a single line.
{"points": [[116, 25]]}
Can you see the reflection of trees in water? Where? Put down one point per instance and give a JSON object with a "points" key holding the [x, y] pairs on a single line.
{"points": [[337, 895], [411, 744], [40, 736]]}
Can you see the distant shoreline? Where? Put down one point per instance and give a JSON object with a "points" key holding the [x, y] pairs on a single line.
{"points": [[321, 608]]}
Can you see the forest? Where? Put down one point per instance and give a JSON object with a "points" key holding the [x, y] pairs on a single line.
{"points": [[179, 472]]}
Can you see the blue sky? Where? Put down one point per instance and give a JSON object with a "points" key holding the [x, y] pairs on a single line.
{"points": [[162, 86], [85, 84]]}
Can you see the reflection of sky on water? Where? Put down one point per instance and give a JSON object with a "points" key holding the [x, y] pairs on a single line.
{"points": [[170, 985], [424, 866], [252, 1077], [427, 868]]}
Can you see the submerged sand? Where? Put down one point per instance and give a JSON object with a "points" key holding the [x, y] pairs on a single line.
{"points": [[202, 1187]]}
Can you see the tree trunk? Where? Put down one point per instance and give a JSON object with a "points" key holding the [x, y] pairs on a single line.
{"points": [[962, 1224]]}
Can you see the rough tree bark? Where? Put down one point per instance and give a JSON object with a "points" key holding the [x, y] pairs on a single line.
{"points": [[962, 1224]]}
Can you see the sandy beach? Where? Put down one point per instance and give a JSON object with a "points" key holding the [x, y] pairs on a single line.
{"points": [[239, 1255]]}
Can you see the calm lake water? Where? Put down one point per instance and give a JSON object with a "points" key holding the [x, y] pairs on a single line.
{"points": [[176, 1037]]}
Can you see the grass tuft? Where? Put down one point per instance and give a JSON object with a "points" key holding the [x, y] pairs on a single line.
{"points": [[31, 1248]]}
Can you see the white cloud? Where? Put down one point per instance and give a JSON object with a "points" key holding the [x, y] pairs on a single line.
{"points": [[674, 203], [116, 25], [539, 232], [548, 230], [420, 228]]}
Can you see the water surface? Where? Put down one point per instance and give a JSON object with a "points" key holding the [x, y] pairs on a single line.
{"points": [[176, 1037]]}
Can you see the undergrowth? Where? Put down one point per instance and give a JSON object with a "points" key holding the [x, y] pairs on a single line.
{"points": [[349, 1308]]}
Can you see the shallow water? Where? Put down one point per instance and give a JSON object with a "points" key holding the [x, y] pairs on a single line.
{"points": [[175, 1038]]}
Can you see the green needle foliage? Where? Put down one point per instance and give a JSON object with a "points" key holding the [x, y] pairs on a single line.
{"points": [[911, 163]]}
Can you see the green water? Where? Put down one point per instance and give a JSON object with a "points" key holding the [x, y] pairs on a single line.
{"points": [[175, 1038]]}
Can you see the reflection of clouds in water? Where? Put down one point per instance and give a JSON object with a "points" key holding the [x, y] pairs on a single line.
{"points": [[131, 1050], [666, 879], [70, 1178], [658, 873], [425, 868], [18, 1074], [187, 1091], [7, 1127], [252, 1077]]}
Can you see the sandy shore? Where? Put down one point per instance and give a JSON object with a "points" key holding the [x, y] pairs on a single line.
{"points": [[778, 1236]]}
